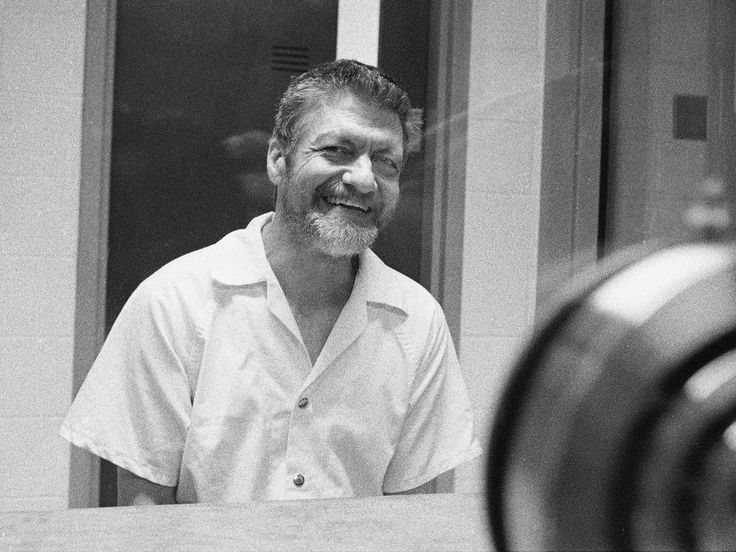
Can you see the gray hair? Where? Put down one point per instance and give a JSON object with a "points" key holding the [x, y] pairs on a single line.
{"points": [[366, 82]]}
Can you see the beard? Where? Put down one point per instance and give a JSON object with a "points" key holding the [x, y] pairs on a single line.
{"points": [[335, 234], [337, 237]]}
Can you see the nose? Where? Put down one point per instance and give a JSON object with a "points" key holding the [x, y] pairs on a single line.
{"points": [[360, 175]]}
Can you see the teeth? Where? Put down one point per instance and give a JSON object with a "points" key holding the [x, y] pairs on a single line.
{"points": [[344, 202]]}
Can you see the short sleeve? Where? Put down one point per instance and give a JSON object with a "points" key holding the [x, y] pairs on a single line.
{"points": [[438, 433], [133, 408]]}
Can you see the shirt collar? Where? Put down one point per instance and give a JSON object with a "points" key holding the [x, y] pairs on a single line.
{"points": [[239, 259], [377, 283]]}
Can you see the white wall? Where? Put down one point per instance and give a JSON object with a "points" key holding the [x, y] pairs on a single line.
{"points": [[358, 23], [502, 199], [41, 66]]}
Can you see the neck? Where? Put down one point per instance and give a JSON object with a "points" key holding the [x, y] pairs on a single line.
{"points": [[305, 274]]}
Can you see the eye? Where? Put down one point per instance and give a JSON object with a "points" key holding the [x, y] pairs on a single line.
{"points": [[336, 150], [387, 165]]}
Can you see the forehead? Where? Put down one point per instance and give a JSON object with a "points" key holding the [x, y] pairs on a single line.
{"points": [[345, 116]]}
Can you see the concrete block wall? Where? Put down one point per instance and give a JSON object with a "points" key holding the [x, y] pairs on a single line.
{"points": [[501, 201], [41, 76]]}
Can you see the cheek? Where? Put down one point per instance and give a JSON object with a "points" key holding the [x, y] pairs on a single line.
{"points": [[390, 200], [391, 194], [308, 179], [297, 186]]}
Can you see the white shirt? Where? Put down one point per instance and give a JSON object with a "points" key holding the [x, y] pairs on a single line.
{"points": [[204, 383]]}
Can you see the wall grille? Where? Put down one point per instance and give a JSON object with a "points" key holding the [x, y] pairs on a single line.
{"points": [[290, 59]]}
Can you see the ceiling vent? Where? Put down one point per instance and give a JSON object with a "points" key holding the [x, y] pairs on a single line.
{"points": [[289, 59]]}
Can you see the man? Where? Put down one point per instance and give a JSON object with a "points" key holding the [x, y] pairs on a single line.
{"points": [[286, 361]]}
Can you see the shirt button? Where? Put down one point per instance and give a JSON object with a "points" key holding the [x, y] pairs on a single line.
{"points": [[303, 402], [298, 480]]}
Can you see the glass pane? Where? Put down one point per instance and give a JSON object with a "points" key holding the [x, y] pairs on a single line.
{"points": [[196, 84], [671, 115]]}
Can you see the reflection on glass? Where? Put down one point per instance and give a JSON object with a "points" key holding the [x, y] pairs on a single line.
{"points": [[671, 114], [195, 89]]}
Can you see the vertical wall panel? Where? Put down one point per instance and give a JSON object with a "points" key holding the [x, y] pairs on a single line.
{"points": [[501, 199], [41, 60]]}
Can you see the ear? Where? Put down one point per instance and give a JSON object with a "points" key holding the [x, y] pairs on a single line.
{"points": [[276, 162]]}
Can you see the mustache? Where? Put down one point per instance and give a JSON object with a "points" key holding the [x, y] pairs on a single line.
{"points": [[338, 188], [341, 192]]}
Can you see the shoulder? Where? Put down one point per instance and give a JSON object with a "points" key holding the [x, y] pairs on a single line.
{"points": [[194, 271], [394, 289], [172, 308], [394, 285], [416, 296], [184, 278], [184, 287]]}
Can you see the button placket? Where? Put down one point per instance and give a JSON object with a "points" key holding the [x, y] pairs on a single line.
{"points": [[298, 432]]}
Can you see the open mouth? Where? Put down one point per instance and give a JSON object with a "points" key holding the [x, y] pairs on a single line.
{"points": [[345, 203]]}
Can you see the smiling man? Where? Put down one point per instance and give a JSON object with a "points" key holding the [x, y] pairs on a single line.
{"points": [[286, 360]]}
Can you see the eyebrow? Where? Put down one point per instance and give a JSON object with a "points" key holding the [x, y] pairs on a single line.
{"points": [[348, 137]]}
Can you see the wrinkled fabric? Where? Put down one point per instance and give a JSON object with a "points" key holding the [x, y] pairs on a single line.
{"points": [[199, 383]]}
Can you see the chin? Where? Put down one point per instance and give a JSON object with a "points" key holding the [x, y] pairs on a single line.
{"points": [[340, 238]]}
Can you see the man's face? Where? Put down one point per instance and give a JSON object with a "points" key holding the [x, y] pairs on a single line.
{"points": [[340, 182]]}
